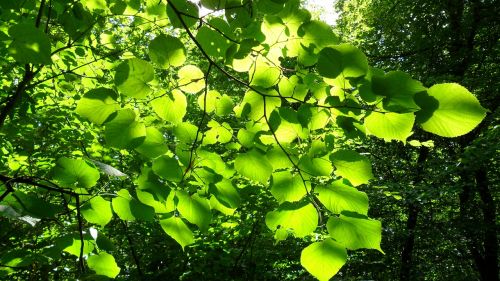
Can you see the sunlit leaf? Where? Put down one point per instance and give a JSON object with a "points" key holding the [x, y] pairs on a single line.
{"points": [[166, 51], [449, 110], [338, 197], [104, 264], [355, 231], [123, 131], [301, 219], [352, 166], [178, 230], [97, 210], [253, 165], [132, 77], [97, 105], [75, 173], [130, 209], [323, 259]]}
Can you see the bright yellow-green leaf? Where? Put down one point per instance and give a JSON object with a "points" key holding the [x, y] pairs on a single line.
{"points": [[352, 166], [191, 79], [301, 219], [129, 209], [287, 187], [154, 144], [168, 168], [390, 126], [253, 165], [355, 231], [75, 173], [123, 131], [178, 230], [449, 110], [167, 51], [132, 77], [171, 107], [97, 210], [339, 197], [97, 105], [104, 264], [323, 259]]}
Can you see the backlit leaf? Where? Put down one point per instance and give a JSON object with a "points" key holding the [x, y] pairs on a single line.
{"points": [[339, 197], [75, 173], [352, 166], [253, 165], [449, 110], [355, 231], [132, 77], [177, 229], [323, 259], [97, 105], [130, 209], [167, 51], [104, 264], [301, 219]]}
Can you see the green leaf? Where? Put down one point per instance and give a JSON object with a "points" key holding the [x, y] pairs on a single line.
{"points": [[97, 105], [154, 144], [339, 197], [285, 125], [287, 187], [132, 77], [352, 166], [191, 79], [212, 97], [104, 264], [315, 166], [172, 107], [212, 42], [178, 230], [253, 165], [323, 259], [72, 244], [263, 74], [225, 193], [167, 51], [98, 211], [221, 133], [29, 44], [299, 218], [255, 102], [187, 11], [129, 209], [355, 231], [399, 90], [123, 131], [33, 205], [449, 110], [186, 132], [314, 36], [195, 209], [344, 59], [151, 191], [75, 173], [390, 126], [168, 168]]}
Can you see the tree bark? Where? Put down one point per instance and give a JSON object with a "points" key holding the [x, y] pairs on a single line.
{"points": [[411, 223], [488, 269]]}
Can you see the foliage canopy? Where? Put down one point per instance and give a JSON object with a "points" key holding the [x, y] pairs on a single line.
{"points": [[122, 112]]}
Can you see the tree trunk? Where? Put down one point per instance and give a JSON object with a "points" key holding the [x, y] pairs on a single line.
{"points": [[411, 222], [488, 269]]}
